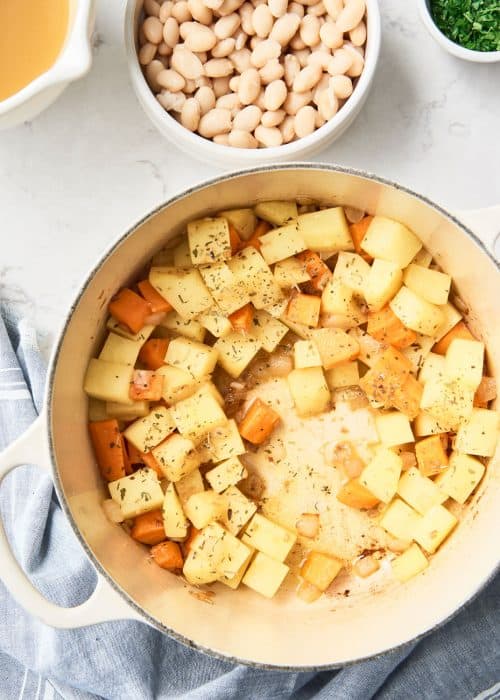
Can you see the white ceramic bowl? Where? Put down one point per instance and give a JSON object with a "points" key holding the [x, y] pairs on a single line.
{"points": [[72, 63], [451, 46], [227, 156]]}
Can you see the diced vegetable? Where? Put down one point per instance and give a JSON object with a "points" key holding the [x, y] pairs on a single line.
{"points": [[308, 525], [460, 330], [386, 327], [253, 275], [390, 240], [146, 385], [205, 555], [208, 240], [182, 256], [183, 289], [215, 322], [175, 523], [335, 346], [168, 556], [148, 528], [318, 272], [358, 232], [205, 507], [389, 383], [265, 575], [152, 353], [199, 414], [304, 309], [382, 282], [381, 474], [156, 302], [223, 442], [355, 495], [241, 320], [419, 491], [239, 510], [108, 381], [338, 298], [409, 564], [235, 352], [344, 374], [325, 231], [461, 478], [178, 384], [448, 401], [431, 285], [115, 327], [268, 331], [486, 392], [479, 434], [269, 538], [235, 580], [276, 213], [138, 493], [261, 228], [464, 361], [177, 457], [321, 569], [129, 308], [188, 328], [415, 312], [282, 243], [352, 270], [291, 272], [258, 422], [433, 528], [226, 474], [309, 390], [243, 220], [400, 520], [119, 350], [197, 359], [234, 239], [149, 431], [432, 368], [431, 455], [305, 354], [109, 449], [393, 428], [190, 484], [308, 593]]}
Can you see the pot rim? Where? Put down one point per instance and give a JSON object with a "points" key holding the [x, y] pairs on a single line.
{"points": [[48, 396]]}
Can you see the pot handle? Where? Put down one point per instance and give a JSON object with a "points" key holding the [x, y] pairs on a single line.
{"points": [[104, 604], [485, 223]]}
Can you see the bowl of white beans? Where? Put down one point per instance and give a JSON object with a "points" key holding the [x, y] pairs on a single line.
{"points": [[241, 82]]}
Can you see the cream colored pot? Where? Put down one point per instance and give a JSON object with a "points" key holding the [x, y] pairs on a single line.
{"points": [[241, 626]]}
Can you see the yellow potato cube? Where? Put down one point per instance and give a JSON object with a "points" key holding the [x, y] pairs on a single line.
{"points": [[197, 415], [409, 564], [479, 434], [229, 292], [205, 507], [149, 431], [276, 213], [305, 354], [189, 328], [418, 351], [393, 428], [243, 220], [422, 258], [400, 520], [369, 348], [309, 390], [197, 359], [205, 556], [265, 575], [424, 425], [381, 474], [290, 272], [175, 523], [268, 331], [239, 510], [391, 240], [208, 240], [183, 289], [177, 384], [138, 493], [434, 527], [320, 569], [325, 231], [177, 457], [338, 298], [235, 560], [115, 327], [223, 443], [282, 243], [416, 313], [335, 346], [124, 411], [383, 281], [216, 322], [432, 368], [304, 309], [464, 361], [297, 328], [189, 485], [226, 474], [254, 276], [461, 478], [108, 381], [431, 285], [217, 277], [234, 581], [352, 270], [182, 256], [451, 316], [236, 351], [448, 401], [431, 455], [268, 537], [122, 351], [345, 374], [419, 491]]}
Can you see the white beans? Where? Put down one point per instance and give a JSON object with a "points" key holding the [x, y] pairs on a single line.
{"points": [[180, 11], [248, 118], [358, 34], [165, 11], [226, 26], [249, 86], [153, 29], [305, 120], [221, 85], [340, 62], [331, 35], [309, 30], [333, 8], [200, 12], [171, 80], [273, 70], [218, 68], [152, 8], [206, 99], [277, 7], [241, 60], [292, 68], [274, 95], [351, 15], [273, 118], [307, 78], [242, 139], [217, 121], [224, 48], [295, 101], [147, 53], [264, 52], [262, 21], [190, 114], [171, 32], [186, 63], [287, 129], [171, 100], [151, 72], [268, 136], [341, 86], [200, 38], [285, 28]]}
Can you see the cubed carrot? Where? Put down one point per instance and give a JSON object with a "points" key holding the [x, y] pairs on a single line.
{"points": [[234, 239], [146, 385], [317, 270], [152, 354], [109, 448], [261, 228], [241, 320], [355, 495], [458, 331], [135, 456], [188, 542], [358, 232], [407, 397], [130, 309], [168, 555], [148, 528], [138, 459], [258, 423], [486, 392], [386, 327], [320, 569], [431, 455], [157, 302]]}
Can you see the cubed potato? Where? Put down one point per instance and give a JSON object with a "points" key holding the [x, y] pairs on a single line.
{"points": [[461, 478], [138, 493], [188, 328], [305, 354], [391, 240], [386, 327], [448, 401], [276, 213], [431, 285], [229, 292], [236, 351], [235, 580], [431, 455], [223, 443], [297, 328], [335, 346], [189, 485], [182, 256], [304, 309], [451, 316], [265, 575], [290, 272], [122, 351], [177, 457], [177, 384], [226, 474], [370, 349], [464, 361], [268, 331], [416, 313], [355, 495], [203, 562], [325, 231], [400, 520], [149, 431], [268, 537], [434, 527], [175, 523], [217, 277], [254, 276], [418, 351], [209, 240], [432, 368], [235, 560], [309, 390], [409, 564], [108, 381], [320, 569], [381, 474], [282, 243], [345, 374], [197, 359], [239, 510], [422, 258], [393, 428], [243, 220], [424, 424], [205, 507], [115, 327], [352, 271], [479, 434], [197, 415], [216, 322], [383, 281], [124, 411], [183, 289], [419, 491], [339, 299]]}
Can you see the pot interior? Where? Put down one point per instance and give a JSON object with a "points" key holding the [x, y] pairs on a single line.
{"points": [[241, 625]]}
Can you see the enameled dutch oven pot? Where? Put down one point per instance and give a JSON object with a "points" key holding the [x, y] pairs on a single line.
{"points": [[242, 626]]}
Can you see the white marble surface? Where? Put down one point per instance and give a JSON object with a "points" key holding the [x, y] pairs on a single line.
{"points": [[76, 177]]}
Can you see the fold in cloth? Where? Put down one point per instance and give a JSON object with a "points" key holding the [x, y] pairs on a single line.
{"points": [[129, 660]]}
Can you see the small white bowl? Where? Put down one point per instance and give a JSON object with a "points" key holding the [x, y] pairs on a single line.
{"points": [[72, 63], [228, 156], [451, 46]]}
